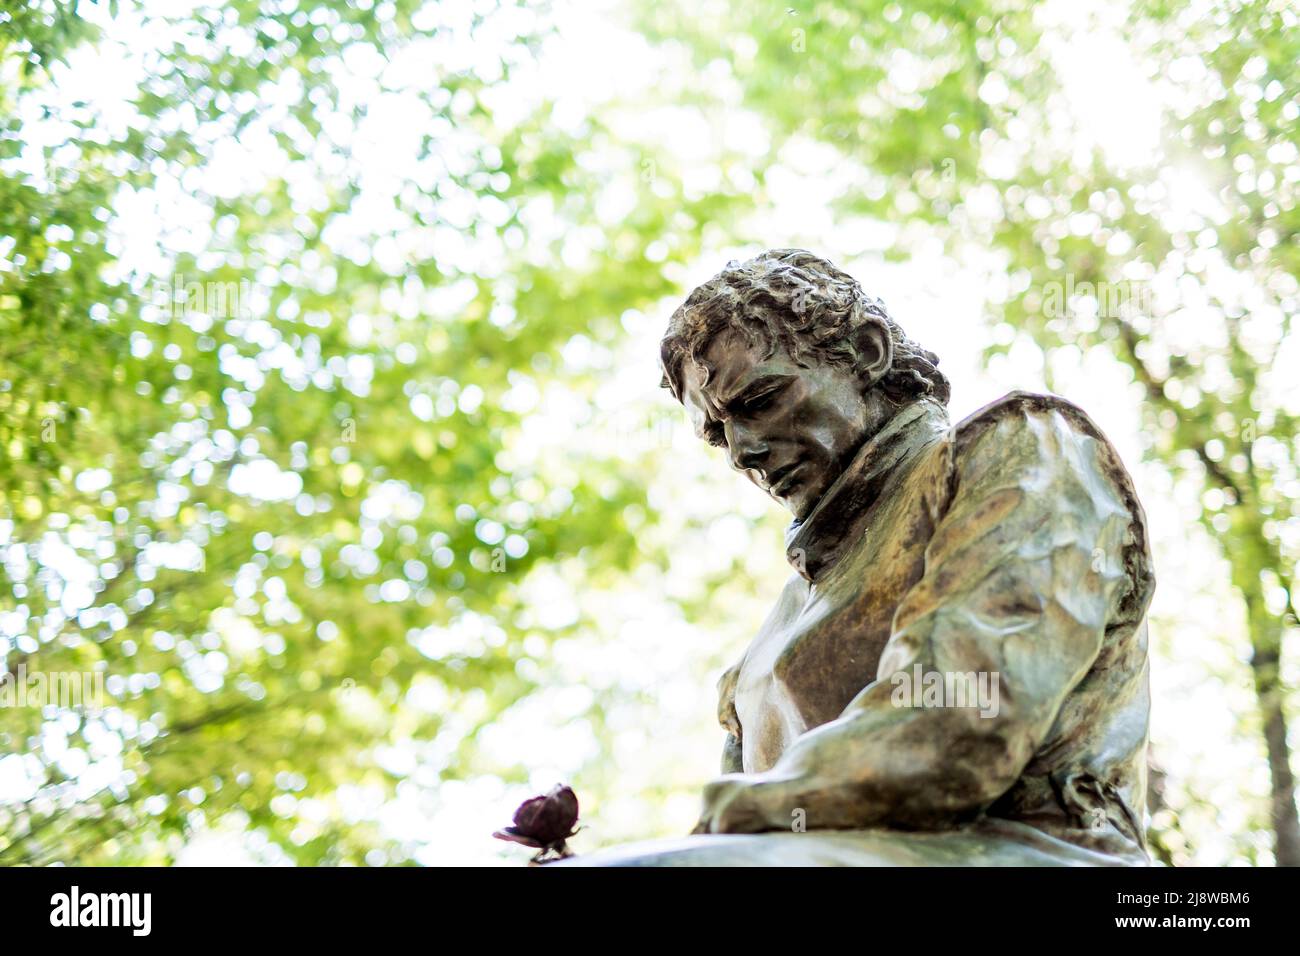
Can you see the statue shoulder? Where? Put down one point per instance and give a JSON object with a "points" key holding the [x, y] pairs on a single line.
{"points": [[1049, 427], [1038, 429], [1019, 408], [1052, 443], [996, 443]]}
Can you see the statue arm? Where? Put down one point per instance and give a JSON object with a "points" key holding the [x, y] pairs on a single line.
{"points": [[732, 748], [1028, 555], [732, 755]]}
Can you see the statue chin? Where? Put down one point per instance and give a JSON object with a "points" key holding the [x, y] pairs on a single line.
{"points": [[988, 842]]}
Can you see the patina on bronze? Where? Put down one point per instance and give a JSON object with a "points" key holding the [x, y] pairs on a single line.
{"points": [[956, 673]]}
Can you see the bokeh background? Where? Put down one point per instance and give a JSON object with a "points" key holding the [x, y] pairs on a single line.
{"points": [[331, 434]]}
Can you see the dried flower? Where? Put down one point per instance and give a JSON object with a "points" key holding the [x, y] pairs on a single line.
{"points": [[544, 823]]}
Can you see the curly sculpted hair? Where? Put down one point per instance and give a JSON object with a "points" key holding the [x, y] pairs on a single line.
{"points": [[799, 301]]}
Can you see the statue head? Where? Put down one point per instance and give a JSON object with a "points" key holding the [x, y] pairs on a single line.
{"points": [[786, 363]]}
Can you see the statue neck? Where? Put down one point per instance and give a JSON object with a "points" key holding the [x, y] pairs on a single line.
{"points": [[820, 539]]}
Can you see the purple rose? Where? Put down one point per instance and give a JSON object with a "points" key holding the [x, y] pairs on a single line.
{"points": [[545, 822]]}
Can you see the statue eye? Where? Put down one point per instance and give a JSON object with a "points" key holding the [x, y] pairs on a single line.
{"points": [[763, 398]]}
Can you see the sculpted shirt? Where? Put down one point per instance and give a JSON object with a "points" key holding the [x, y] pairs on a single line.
{"points": [[1005, 557]]}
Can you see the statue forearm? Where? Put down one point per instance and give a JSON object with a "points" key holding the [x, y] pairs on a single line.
{"points": [[918, 768]]}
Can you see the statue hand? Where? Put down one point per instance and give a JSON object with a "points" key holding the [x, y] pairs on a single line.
{"points": [[738, 803]]}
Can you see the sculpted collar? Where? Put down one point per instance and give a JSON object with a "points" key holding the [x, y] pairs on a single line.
{"points": [[819, 540]]}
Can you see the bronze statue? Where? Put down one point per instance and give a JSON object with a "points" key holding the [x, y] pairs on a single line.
{"points": [[956, 673]]}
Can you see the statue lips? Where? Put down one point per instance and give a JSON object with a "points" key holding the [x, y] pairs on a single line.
{"points": [[784, 479]]}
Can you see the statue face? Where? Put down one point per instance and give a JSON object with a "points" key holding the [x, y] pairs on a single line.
{"points": [[791, 430]]}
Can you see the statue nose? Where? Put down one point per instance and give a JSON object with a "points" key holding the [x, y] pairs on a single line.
{"points": [[748, 450]]}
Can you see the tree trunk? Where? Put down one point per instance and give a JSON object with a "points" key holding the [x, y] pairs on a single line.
{"points": [[1264, 663]]}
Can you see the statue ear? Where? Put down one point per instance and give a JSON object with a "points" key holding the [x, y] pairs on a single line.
{"points": [[875, 348]]}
